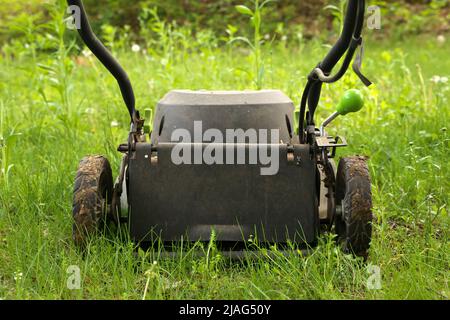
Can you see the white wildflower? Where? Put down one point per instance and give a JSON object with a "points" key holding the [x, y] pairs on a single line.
{"points": [[135, 47], [167, 284], [435, 79], [438, 79], [114, 123], [440, 39], [17, 276], [86, 53]]}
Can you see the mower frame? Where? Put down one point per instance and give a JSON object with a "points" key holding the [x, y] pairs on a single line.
{"points": [[312, 150]]}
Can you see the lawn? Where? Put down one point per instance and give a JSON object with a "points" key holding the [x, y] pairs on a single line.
{"points": [[57, 107]]}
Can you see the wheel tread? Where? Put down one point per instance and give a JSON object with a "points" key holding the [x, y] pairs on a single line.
{"points": [[354, 193], [93, 178]]}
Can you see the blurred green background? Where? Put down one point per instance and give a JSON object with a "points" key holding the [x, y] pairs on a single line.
{"points": [[23, 21]]}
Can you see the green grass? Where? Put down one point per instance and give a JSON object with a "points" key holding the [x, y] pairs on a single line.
{"points": [[54, 111]]}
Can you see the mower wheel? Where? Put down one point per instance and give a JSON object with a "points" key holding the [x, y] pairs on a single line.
{"points": [[354, 198], [91, 195]]}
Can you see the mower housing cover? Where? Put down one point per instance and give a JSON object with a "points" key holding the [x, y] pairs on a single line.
{"points": [[176, 201]]}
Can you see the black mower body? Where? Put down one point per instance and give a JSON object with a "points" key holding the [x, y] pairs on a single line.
{"points": [[232, 163], [175, 201]]}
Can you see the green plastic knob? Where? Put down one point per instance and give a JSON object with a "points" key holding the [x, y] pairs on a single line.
{"points": [[351, 101]]}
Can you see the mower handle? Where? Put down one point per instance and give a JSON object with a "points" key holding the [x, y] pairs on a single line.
{"points": [[105, 57], [343, 43], [348, 41]]}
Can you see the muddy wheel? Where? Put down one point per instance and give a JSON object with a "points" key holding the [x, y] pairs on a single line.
{"points": [[91, 196], [353, 222]]}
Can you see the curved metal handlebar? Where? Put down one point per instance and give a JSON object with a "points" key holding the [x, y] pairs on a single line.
{"points": [[348, 41], [105, 57]]}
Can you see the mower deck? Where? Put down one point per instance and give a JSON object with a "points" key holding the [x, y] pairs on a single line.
{"points": [[234, 199]]}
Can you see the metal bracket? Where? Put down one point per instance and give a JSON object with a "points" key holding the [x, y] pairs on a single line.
{"points": [[330, 142]]}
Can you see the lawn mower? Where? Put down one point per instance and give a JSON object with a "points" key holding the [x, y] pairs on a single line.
{"points": [[232, 165]]}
